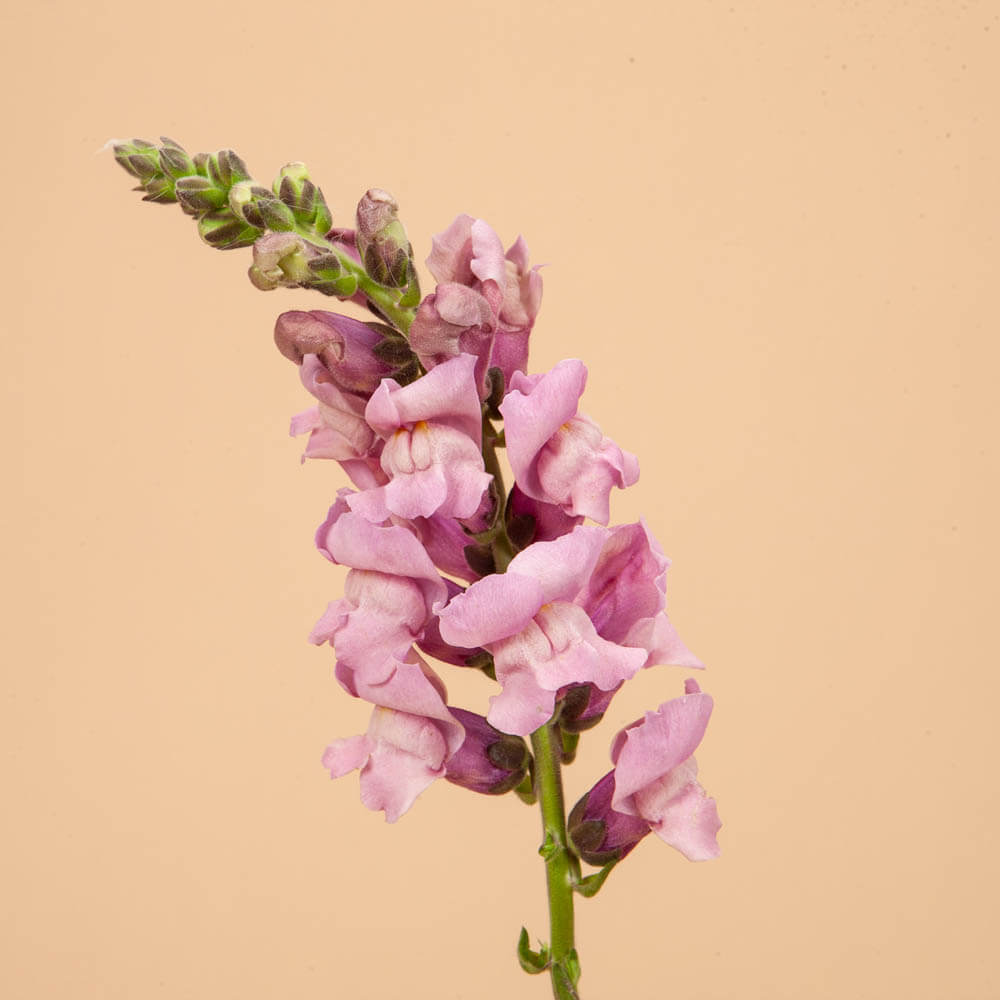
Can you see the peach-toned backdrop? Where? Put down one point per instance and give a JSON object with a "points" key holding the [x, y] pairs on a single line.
{"points": [[771, 232]]}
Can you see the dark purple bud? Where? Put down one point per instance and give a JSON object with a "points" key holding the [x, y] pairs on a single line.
{"points": [[583, 706], [599, 834], [488, 761], [346, 347]]}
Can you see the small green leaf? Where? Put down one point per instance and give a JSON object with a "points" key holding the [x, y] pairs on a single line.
{"points": [[533, 962], [549, 846], [591, 885]]}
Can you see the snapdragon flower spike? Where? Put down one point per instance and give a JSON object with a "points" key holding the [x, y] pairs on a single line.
{"points": [[541, 640], [432, 430], [485, 302], [407, 746], [558, 455], [655, 776], [390, 594], [488, 761]]}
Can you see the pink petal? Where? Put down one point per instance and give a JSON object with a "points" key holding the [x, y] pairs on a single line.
{"points": [[493, 608]]}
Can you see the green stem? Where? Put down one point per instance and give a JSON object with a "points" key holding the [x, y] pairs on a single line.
{"points": [[559, 861], [503, 550], [386, 299]]}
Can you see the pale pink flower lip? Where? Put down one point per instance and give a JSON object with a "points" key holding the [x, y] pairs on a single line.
{"points": [[540, 639], [656, 774], [409, 741], [432, 430]]}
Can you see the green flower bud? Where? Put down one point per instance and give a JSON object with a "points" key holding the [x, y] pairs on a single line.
{"points": [[225, 231], [224, 168], [259, 207], [328, 277], [280, 259], [295, 189], [198, 194], [139, 157], [174, 160]]}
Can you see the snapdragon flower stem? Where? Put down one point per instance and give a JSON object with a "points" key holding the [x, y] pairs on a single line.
{"points": [[559, 862]]}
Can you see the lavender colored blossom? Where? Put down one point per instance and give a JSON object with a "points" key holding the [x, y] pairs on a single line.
{"points": [[656, 774], [432, 431], [558, 455], [404, 749], [485, 302], [540, 639]]}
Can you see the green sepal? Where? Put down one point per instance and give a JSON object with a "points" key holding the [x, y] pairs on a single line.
{"points": [[569, 743], [159, 189], [411, 297], [174, 159], [591, 884], [483, 660], [224, 231], [566, 975], [533, 962], [198, 194], [224, 168], [526, 790], [342, 288]]}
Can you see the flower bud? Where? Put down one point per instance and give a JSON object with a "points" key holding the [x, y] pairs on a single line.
{"points": [[382, 242], [295, 189], [346, 347], [156, 174], [599, 834], [174, 159], [583, 706], [329, 277], [279, 259], [223, 168], [488, 761], [259, 207], [198, 194], [225, 231]]}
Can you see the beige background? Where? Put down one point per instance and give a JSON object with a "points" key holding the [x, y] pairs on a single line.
{"points": [[771, 232]]}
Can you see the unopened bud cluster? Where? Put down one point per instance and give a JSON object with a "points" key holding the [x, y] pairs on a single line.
{"points": [[288, 224]]}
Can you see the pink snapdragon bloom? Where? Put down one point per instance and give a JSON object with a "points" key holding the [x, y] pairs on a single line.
{"points": [[558, 455], [485, 302], [653, 788], [656, 774], [390, 594], [541, 640], [432, 429], [626, 596], [338, 365], [407, 746]]}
